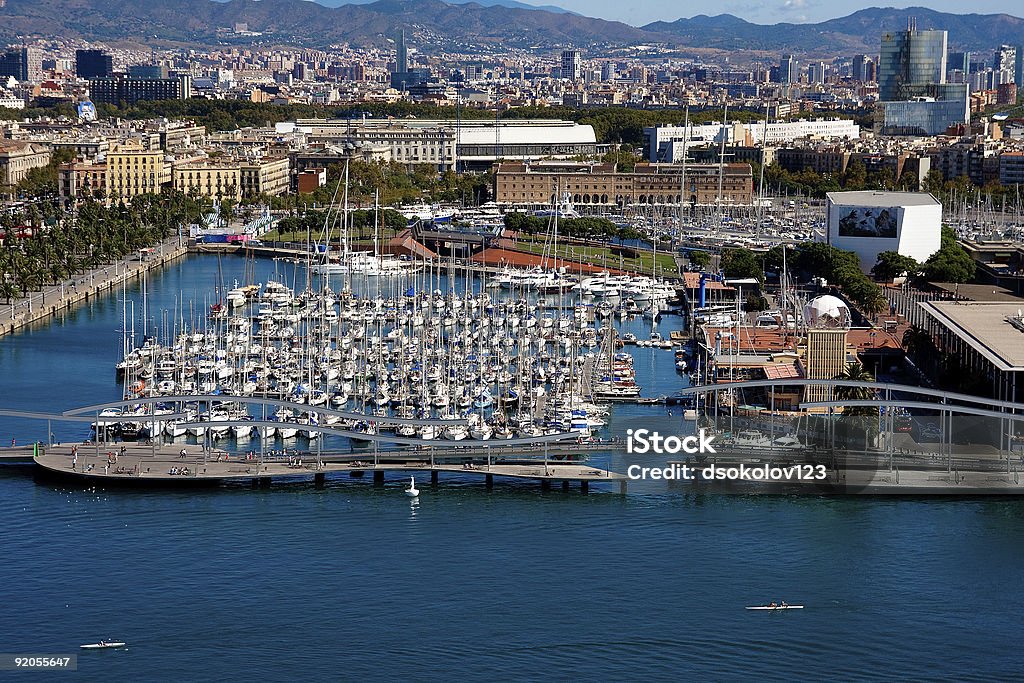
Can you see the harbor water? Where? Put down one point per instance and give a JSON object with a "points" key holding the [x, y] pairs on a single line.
{"points": [[352, 582]]}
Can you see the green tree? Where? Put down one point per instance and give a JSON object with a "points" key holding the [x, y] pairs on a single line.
{"points": [[623, 156], [741, 263], [856, 176], [755, 303], [859, 424], [951, 263], [934, 183], [700, 259], [892, 264]]}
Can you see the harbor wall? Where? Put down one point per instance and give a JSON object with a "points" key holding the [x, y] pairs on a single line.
{"points": [[53, 299]]}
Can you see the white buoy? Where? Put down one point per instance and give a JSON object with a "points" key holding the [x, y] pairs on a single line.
{"points": [[412, 491]]}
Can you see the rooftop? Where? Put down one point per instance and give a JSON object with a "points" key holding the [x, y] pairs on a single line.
{"points": [[869, 198], [984, 325]]}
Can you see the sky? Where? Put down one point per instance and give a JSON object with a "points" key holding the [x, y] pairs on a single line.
{"points": [[640, 12]]}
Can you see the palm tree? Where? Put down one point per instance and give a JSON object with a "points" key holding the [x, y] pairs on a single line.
{"points": [[858, 423], [855, 372]]}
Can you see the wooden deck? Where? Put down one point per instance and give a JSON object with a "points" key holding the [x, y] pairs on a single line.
{"points": [[163, 465]]}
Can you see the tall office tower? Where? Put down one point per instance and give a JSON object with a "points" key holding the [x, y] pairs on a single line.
{"points": [[608, 71], [401, 54], [910, 64], [914, 98], [23, 63], [1005, 58], [403, 78], [93, 64], [787, 69], [958, 66], [816, 72], [1018, 67], [572, 65], [33, 58], [860, 67]]}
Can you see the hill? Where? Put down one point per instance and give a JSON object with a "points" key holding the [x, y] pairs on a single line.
{"points": [[298, 22], [857, 32]]}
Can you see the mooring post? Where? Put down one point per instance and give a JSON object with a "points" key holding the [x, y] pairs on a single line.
{"points": [[378, 477], [433, 477], [545, 484], [584, 486], [489, 481], [565, 485]]}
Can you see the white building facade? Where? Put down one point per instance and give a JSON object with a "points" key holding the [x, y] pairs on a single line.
{"points": [[664, 143], [868, 223]]}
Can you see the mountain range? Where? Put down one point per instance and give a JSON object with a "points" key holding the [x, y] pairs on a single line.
{"points": [[858, 32], [434, 25], [484, 3]]}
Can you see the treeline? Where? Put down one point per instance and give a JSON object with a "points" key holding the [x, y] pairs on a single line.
{"points": [[951, 263], [581, 228], [611, 124], [808, 182], [65, 109], [218, 115], [390, 183], [811, 259], [61, 246], [314, 223]]}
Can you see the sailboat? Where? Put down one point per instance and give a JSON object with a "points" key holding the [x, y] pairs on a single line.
{"points": [[357, 262]]}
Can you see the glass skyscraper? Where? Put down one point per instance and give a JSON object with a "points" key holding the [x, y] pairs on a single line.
{"points": [[911, 63]]}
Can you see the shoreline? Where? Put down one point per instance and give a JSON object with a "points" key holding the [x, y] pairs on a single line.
{"points": [[53, 299]]}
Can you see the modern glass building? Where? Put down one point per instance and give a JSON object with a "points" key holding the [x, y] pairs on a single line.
{"points": [[915, 98], [911, 63]]}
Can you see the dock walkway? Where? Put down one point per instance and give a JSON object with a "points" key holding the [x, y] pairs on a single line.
{"points": [[163, 465], [53, 299]]}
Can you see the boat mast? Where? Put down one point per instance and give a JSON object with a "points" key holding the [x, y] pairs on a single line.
{"points": [[682, 175], [760, 185], [376, 216], [721, 160], [344, 221]]}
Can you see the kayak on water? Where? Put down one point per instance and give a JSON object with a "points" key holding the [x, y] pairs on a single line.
{"points": [[775, 607], [103, 645]]}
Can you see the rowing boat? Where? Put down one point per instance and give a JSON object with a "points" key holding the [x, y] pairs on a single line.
{"points": [[102, 646], [772, 609]]}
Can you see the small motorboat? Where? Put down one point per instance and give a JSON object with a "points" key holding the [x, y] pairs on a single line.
{"points": [[412, 491], [104, 645], [772, 608]]}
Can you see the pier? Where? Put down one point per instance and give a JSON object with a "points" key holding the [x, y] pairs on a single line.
{"points": [[83, 287], [150, 465]]}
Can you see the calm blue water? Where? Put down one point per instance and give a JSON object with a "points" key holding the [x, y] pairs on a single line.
{"points": [[352, 582]]}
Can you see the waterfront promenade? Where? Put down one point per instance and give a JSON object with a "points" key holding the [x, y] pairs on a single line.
{"points": [[82, 287], [142, 464]]}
